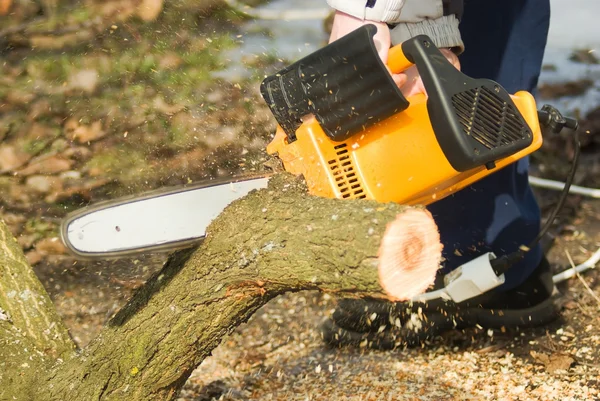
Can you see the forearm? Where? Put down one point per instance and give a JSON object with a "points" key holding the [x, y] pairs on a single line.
{"points": [[437, 19]]}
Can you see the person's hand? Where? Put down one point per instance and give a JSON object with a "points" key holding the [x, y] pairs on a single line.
{"points": [[413, 84], [409, 81], [344, 23]]}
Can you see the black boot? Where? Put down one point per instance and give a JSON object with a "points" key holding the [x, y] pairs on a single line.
{"points": [[386, 325]]}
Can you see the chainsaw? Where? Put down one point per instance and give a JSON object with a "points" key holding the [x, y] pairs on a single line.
{"points": [[345, 126]]}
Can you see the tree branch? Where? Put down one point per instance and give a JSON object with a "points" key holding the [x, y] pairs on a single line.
{"points": [[270, 242], [20, 361], [24, 300]]}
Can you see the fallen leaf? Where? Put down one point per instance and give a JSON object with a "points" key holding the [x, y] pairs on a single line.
{"points": [[53, 42], [44, 184], [148, 10], [5, 6], [540, 357], [553, 362], [162, 106], [42, 131], [50, 165], [12, 219], [33, 257], [26, 241], [170, 61], [38, 109], [50, 246], [82, 191], [86, 80], [12, 158], [77, 153], [215, 96], [129, 284], [19, 97], [84, 133]]}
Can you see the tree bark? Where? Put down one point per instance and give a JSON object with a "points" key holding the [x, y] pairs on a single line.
{"points": [[272, 241], [32, 334], [25, 302]]}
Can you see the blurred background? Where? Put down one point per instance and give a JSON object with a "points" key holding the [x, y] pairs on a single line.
{"points": [[100, 99]]}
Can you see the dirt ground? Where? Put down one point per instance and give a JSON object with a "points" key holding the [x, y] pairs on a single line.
{"points": [[100, 119]]}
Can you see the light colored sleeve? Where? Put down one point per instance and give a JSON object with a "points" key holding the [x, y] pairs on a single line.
{"points": [[374, 10], [408, 18]]}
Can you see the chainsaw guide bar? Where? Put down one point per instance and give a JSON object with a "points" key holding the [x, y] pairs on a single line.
{"points": [[154, 221]]}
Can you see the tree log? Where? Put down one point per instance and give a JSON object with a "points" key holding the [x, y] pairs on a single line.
{"points": [[272, 241]]}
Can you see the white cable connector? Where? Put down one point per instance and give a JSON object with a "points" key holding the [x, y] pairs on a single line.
{"points": [[472, 278], [466, 281], [477, 276]]}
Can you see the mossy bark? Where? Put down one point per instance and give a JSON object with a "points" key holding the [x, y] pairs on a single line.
{"points": [[272, 241], [32, 335], [25, 302]]}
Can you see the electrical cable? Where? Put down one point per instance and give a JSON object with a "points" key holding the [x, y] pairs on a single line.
{"points": [[504, 262], [564, 193], [558, 185]]}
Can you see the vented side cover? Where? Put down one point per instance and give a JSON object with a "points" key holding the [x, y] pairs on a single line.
{"points": [[475, 120], [345, 85]]}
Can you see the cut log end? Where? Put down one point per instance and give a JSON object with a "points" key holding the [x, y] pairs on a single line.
{"points": [[409, 255]]}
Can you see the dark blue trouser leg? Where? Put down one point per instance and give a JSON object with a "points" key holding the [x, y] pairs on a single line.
{"points": [[504, 41]]}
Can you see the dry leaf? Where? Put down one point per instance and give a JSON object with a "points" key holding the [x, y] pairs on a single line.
{"points": [[129, 284], [50, 165], [13, 219], [12, 158], [52, 42], [50, 246], [84, 133], [33, 257], [170, 61], [162, 106], [41, 131], [554, 362], [81, 190], [40, 108], [559, 362], [5, 6], [44, 184], [148, 10], [86, 80], [26, 241], [19, 97]]}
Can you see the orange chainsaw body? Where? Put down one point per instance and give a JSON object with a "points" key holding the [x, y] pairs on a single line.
{"points": [[396, 160]]}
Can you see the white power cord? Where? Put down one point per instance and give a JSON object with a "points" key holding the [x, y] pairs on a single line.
{"points": [[590, 192], [575, 189]]}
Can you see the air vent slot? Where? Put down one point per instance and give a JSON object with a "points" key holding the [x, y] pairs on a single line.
{"points": [[488, 119], [344, 174]]}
